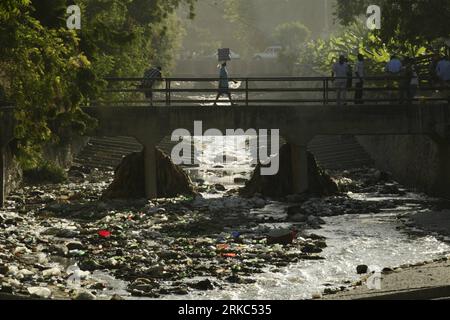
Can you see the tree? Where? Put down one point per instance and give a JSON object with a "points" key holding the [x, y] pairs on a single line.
{"points": [[416, 22], [48, 71], [292, 36]]}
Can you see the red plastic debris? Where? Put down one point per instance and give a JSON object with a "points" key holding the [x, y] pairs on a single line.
{"points": [[229, 255], [222, 247], [104, 233]]}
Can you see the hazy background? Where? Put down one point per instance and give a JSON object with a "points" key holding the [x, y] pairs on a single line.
{"points": [[248, 26]]}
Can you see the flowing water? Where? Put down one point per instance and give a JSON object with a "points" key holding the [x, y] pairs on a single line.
{"points": [[375, 240]]}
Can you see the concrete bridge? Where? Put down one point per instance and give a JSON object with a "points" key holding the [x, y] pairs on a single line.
{"points": [[297, 123]]}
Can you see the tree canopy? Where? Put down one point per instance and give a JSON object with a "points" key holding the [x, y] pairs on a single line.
{"points": [[48, 71], [413, 21]]}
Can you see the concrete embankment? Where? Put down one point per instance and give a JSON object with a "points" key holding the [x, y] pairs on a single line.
{"points": [[420, 282], [416, 161]]}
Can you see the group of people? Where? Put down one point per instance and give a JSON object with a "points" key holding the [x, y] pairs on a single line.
{"points": [[155, 74], [400, 74]]}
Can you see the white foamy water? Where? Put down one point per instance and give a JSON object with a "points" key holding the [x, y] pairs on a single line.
{"points": [[352, 240], [222, 159], [374, 240]]}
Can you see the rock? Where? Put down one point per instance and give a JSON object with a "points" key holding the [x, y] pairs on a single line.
{"points": [[26, 274], [296, 198], [317, 296], [235, 279], [116, 297], [315, 221], [219, 187], [40, 292], [75, 245], [239, 180], [362, 269], [298, 218], [129, 182], [387, 270], [67, 233], [6, 288], [280, 185], [202, 285], [168, 255], [77, 174], [84, 295], [281, 236], [294, 210], [89, 265], [59, 250], [53, 272], [311, 248], [4, 269], [12, 270], [21, 250], [313, 236]]}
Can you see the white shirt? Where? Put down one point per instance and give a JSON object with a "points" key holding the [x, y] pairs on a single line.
{"points": [[394, 66], [340, 71], [359, 71]]}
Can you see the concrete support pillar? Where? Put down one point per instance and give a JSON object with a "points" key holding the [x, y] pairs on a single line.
{"points": [[2, 176], [299, 159], [150, 170]]}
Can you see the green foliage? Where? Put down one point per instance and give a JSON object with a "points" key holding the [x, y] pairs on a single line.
{"points": [[321, 54], [252, 22], [292, 37], [41, 72], [48, 71], [419, 22], [45, 172]]}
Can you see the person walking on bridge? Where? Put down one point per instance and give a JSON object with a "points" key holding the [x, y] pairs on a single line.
{"points": [[224, 86], [339, 75], [150, 77]]}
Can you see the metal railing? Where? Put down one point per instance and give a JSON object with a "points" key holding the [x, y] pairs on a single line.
{"points": [[263, 91]]}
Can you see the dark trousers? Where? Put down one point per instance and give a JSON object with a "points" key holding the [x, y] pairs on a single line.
{"points": [[359, 91]]}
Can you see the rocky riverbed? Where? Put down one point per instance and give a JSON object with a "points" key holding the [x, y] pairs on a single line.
{"points": [[62, 242]]}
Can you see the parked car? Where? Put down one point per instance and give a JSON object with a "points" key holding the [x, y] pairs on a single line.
{"points": [[269, 53]]}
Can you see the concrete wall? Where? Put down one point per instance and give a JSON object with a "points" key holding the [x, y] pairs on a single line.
{"points": [[415, 161], [61, 154]]}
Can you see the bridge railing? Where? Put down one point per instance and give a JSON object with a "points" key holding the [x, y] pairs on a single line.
{"points": [[262, 91]]}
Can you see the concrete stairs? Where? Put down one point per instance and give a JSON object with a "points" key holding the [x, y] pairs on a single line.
{"points": [[331, 152], [339, 152], [106, 153]]}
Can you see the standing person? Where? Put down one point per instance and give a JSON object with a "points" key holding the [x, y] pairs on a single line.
{"points": [[339, 74], [414, 84], [150, 77], [443, 73], [394, 68], [434, 79], [443, 69], [224, 86], [409, 82], [359, 75], [349, 75]]}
